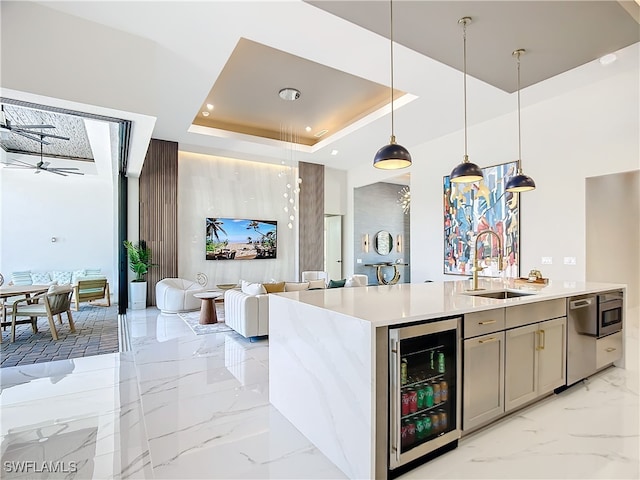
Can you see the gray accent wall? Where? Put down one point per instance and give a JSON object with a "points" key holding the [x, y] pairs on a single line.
{"points": [[376, 208]]}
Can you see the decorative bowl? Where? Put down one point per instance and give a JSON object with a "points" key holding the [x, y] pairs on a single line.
{"points": [[226, 286]]}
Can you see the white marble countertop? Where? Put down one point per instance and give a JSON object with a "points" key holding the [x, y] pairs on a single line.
{"points": [[384, 305]]}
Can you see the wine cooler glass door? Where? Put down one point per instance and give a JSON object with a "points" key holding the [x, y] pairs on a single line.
{"points": [[424, 389]]}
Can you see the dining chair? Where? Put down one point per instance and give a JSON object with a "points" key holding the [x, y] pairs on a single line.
{"points": [[55, 301]]}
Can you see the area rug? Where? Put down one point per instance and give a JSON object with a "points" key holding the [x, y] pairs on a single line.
{"points": [[193, 320]]}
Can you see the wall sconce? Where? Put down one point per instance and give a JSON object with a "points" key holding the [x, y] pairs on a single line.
{"points": [[399, 243], [365, 243]]}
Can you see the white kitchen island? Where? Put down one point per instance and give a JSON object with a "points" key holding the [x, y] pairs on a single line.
{"points": [[324, 346]]}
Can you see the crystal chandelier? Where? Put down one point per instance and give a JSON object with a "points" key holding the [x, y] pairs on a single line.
{"points": [[404, 199]]}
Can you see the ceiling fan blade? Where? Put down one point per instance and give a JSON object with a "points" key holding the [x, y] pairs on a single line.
{"points": [[57, 173], [64, 168], [21, 167], [64, 172], [44, 135], [44, 165], [15, 160], [33, 126], [31, 136]]}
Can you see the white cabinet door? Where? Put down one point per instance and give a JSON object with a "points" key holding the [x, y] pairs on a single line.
{"points": [[483, 384], [521, 366], [552, 354]]}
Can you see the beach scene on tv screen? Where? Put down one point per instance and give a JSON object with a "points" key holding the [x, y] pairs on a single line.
{"points": [[240, 239]]}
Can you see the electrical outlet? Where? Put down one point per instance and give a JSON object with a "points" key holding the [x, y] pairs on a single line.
{"points": [[547, 260], [359, 260], [569, 260]]}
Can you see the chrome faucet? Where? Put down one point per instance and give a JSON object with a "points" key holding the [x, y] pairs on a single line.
{"points": [[476, 264]]}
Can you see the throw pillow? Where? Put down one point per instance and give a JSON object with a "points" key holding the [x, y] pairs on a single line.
{"points": [[75, 275], [21, 278], [317, 284], [63, 278], [295, 286], [40, 278], [59, 288], [337, 283], [275, 287], [252, 288], [92, 272]]}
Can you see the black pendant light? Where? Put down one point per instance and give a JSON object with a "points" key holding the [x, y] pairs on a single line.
{"points": [[392, 156], [466, 172], [519, 182]]}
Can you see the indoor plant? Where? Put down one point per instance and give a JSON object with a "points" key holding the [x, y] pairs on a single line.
{"points": [[139, 262]]}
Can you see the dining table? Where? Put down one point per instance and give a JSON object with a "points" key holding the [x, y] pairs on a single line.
{"points": [[22, 291]]}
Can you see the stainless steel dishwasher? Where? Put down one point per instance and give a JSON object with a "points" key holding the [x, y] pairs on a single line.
{"points": [[581, 346]]}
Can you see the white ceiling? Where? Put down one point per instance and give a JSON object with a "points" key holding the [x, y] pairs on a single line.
{"points": [[160, 60]]}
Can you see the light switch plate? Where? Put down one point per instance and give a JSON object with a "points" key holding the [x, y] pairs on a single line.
{"points": [[569, 260], [359, 260], [547, 260]]}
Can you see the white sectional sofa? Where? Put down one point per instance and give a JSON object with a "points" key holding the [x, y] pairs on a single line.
{"points": [[246, 309]]}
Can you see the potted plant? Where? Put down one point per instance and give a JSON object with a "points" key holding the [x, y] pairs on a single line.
{"points": [[139, 262]]}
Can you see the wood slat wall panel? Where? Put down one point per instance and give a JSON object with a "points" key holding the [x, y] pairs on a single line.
{"points": [[311, 223], [159, 211]]}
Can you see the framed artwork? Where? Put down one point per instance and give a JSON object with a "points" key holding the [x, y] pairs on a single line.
{"points": [[470, 208], [240, 239]]}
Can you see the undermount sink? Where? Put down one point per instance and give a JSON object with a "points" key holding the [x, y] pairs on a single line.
{"points": [[499, 294]]}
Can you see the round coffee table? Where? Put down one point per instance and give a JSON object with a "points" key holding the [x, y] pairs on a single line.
{"points": [[208, 307]]}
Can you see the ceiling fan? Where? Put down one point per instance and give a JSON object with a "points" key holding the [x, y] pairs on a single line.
{"points": [[27, 131], [42, 166]]}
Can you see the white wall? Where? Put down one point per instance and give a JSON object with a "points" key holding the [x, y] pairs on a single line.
{"points": [[211, 186], [78, 211], [335, 191], [590, 131]]}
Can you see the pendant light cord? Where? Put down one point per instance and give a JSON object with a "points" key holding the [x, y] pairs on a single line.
{"points": [[519, 130], [464, 67], [393, 139]]}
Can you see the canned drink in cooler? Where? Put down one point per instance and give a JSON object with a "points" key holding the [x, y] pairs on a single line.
{"points": [[413, 401], [411, 431], [404, 431], [405, 403], [429, 396], [403, 371], [426, 424], [437, 393], [421, 397], [435, 422], [441, 366], [444, 391], [443, 419], [419, 428]]}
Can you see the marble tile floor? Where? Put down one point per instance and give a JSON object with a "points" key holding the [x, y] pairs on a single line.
{"points": [[181, 406]]}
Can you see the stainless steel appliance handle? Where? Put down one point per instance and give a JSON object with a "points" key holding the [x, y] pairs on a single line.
{"points": [[585, 302], [394, 423]]}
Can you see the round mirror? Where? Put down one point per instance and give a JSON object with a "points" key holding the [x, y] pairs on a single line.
{"points": [[383, 242]]}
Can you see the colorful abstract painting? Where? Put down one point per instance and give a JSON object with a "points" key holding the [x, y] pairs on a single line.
{"points": [[470, 208]]}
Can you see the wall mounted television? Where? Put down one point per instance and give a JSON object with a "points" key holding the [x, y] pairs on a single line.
{"points": [[241, 239]]}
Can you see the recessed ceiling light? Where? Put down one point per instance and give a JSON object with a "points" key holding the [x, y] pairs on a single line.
{"points": [[308, 129], [209, 106], [334, 152], [321, 133], [205, 114], [608, 59]]}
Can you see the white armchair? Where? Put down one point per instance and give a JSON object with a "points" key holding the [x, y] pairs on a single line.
{"points": [[247, 314], [175, 295]]}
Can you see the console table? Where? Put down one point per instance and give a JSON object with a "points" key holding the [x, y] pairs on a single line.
{"points": [[380, 274]]}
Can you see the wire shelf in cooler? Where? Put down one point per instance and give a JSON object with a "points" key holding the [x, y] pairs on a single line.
{"points": [[437, 376], [424, 410], [437, 347]]}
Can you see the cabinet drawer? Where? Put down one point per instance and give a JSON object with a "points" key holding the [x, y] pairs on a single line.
{"points": [[608, 350], [480, 323], [535, 312]]}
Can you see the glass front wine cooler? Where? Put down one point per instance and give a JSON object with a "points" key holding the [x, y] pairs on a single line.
{"points": [[424, 389]]}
